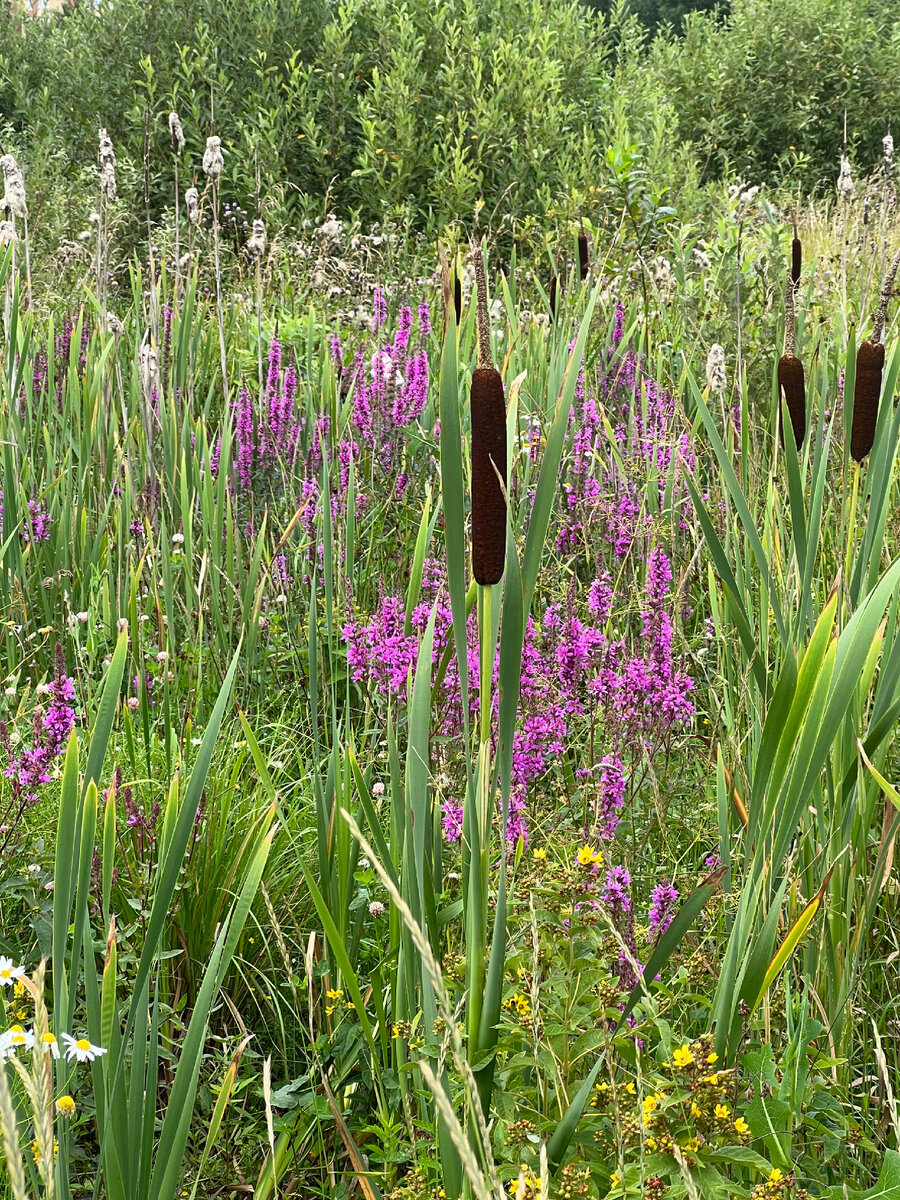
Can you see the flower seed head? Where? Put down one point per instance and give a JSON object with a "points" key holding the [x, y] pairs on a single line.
{"points": [[192, 203], [845, 185], [213, 159], [715, 369], [13, 188], [177, 133]]}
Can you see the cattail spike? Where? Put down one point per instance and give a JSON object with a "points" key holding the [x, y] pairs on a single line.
{"points": [[554, 285], [481, 311], [583, 254], [488, 413], [488, 423], [457, 294], [791, 383], [796, 259], [866, 394]]}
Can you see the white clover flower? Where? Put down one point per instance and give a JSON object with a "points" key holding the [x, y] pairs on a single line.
{"points": [[377, 789], [81, 1049], [82, 617], [376, 909], [43, 689], [177, 539], [133, 702], [121, 624], [9, 972], [213, 159], [162, 656]]}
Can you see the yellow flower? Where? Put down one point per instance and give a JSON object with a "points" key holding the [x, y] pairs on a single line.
{"points": [[615, 1179], [722, 1112], [629, 1088], [65, 1106], [692, 1144], [712, 1058], [587, 855], [649, 1103], [682, 1057], [696, 1111], [540, 854], [776, 1176], [741, 1126]]}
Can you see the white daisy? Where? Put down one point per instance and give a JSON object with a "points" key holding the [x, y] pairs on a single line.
{"points": [[9, 973], [81, 1049], [50, 1044], [15, 1038]]}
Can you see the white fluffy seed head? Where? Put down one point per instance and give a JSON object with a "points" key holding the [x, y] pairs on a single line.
{"points": [[13, 188], [257, 241], [845, 185], [177, 133], [192, 203], [213, 159], [888, 144], [715, 369], [107, 165]]}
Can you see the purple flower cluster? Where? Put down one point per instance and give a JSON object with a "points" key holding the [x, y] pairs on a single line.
{"points": [[390, 389], [575, 680], [663, 900], [266, 442], [605, 492], [29, 769], [36, 527]]}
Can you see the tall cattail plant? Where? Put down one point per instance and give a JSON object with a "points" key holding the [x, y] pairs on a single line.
{"points": [[488, 412], [869, 368], [15, 205], [790, 371], [584, 257], [177, 134], [213, 166], [107, 162]]}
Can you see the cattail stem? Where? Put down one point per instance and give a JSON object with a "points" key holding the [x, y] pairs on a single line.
{"points": [[177, 234], [224, 356]]}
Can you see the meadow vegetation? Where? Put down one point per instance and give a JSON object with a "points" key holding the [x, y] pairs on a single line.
{"points": [[450, 579]]}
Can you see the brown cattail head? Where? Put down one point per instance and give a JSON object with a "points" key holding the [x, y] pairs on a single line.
{"points": [[791, 384], [457, 294], [866, 393], [796, 260], [488, 453], [554, 284], [583, 254], [488, 413]]}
